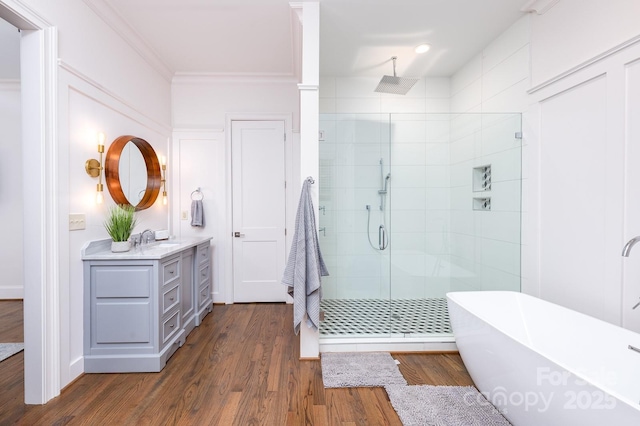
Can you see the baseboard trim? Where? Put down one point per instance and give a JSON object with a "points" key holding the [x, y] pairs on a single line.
{"points": [[12, 293]]}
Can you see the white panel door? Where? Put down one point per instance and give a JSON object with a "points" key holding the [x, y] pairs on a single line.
{"points": [[258, 173]]}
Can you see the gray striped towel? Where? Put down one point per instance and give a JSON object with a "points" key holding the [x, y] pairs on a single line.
{"points": [[305, 265]]}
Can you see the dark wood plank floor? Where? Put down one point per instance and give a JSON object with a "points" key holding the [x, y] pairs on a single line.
{"points": [[240, 367]]}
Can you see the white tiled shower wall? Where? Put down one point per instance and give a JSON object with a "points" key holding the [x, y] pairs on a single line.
{"points": [[494, 82], [438, 242]]}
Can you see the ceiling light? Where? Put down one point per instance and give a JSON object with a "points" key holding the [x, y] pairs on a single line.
{"points": [[422, 48]]}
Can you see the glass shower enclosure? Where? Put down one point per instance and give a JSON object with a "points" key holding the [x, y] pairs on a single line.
{"points": [[412, 206]]}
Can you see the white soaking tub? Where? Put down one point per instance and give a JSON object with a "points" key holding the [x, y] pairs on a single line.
{"points": [[543, 364]]}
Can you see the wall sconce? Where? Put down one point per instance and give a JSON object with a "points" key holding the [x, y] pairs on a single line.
{"points": [[94, 168], [163, 180]]}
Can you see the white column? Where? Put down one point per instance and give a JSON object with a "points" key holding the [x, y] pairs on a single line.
{"points": [[309, 155]]}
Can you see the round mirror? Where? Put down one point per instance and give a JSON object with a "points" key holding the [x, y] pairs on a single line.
{"points": [[132, 172]]}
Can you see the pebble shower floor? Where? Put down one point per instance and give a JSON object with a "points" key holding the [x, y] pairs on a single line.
{"points": [[357, 317]]}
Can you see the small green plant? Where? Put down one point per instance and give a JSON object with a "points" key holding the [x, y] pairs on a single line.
{"points": [[120, 222]]}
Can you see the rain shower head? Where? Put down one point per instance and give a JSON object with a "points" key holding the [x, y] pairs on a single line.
{"points": [[394, 84]]}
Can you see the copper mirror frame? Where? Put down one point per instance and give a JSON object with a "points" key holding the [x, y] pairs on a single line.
{"points": [[112, 171]]}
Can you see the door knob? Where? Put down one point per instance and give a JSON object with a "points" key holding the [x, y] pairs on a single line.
{"points": [[238, 234]]}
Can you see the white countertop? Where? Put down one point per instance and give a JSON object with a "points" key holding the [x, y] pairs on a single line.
{"points": [[101, 249]]}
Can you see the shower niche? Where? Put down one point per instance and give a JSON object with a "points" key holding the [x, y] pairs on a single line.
{"points": [[482, 178], [482, 183]]}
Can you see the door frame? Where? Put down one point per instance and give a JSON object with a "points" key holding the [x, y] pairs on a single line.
{"points": [[41, 300], [289, 145]]}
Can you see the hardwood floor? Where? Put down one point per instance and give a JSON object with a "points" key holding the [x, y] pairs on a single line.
{"points": [[240, 367]]}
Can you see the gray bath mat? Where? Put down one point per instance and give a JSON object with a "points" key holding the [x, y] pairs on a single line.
{"points": [[9, 349], [360, 369], [443, 406]]}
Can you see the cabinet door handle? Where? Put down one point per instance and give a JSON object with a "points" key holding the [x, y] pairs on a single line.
{"points": [[171, 325], [171, 298], [171, 272], [636, 305]]}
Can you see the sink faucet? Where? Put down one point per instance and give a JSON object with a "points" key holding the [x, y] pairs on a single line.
{"points": [[630, 243], [145, 236]]}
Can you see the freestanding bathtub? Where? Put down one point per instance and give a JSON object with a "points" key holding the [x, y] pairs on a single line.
{"points": [[542, 364]]}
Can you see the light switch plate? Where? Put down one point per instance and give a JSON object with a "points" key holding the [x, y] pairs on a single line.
{"points": [[77, 221], [185, 215]]}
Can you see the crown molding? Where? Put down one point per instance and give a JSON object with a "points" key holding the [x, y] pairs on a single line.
{"points": [[245, 78], [539, 6], [120, 26]]}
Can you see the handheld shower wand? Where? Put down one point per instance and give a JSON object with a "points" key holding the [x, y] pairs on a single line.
{"points": [[383, 239]]}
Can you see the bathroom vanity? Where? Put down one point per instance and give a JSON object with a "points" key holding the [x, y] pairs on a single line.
{"points": [[140, 306]]}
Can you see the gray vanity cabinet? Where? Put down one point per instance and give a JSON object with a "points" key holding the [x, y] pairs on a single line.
{"points": [[203, 299], [187, 292], [138, 311]]}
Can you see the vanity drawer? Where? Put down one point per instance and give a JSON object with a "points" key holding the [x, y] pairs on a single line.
{"points": [[204, 274], [170, 270], [203, 253], [170, 298], [170, 326], [203, 295]]}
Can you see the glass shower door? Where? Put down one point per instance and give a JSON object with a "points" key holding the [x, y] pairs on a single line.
{"points": [[353, 222]]}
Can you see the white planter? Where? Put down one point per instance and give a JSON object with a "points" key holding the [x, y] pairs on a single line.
{"points": [[120, 246]]}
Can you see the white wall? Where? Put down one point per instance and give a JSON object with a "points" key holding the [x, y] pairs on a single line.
{"points": [[9, 51], [575, 31], [201, 106], [104, 85], [11, 285], [203, 102], [98, 51], [583, 118], [193, 155]]}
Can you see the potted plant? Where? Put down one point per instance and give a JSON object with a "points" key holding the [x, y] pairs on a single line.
{"points": [[119, 226]]}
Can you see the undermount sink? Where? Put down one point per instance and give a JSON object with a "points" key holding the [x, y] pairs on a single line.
{"points": [[158, 246], [167, 245]]}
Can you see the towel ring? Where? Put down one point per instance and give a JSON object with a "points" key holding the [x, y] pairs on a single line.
{"points": [[310, 180], [195, 193]]}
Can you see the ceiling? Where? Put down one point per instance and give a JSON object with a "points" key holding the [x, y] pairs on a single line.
{"points": [[357, 37]]}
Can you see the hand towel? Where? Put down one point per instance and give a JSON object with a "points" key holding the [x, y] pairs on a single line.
{"points": [[305, 265], [197, 213]]}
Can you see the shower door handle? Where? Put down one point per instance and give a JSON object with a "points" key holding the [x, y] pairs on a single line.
{"points": [[382, 234]]}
